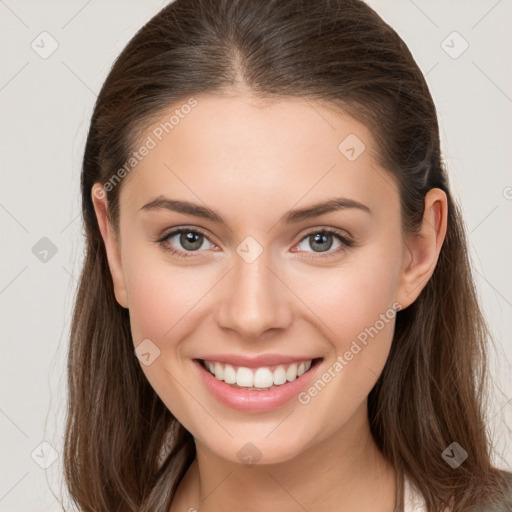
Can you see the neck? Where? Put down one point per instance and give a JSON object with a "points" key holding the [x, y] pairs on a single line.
{"points": [[343, 472]]}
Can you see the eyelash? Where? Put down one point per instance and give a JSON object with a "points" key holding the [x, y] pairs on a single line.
{"points": [[346, 242]]}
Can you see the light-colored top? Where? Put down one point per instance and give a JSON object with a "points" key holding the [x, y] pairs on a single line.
{"points": [[413, 499]]}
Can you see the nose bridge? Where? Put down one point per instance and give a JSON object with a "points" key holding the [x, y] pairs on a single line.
{"points": [[255, 299]]}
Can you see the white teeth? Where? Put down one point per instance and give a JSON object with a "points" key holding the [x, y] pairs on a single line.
{"points": [[244, 377], [262, 378], [229, 375], [279, 375], [291, 373], [219, 371]]}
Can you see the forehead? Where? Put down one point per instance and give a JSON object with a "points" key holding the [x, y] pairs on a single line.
{"points": [[257, 151]]}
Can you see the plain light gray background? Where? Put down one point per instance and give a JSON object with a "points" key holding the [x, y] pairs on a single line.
{"points": [[46, 105]]}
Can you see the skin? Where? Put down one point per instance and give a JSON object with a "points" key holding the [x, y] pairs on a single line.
{"points": [[252, 161]]}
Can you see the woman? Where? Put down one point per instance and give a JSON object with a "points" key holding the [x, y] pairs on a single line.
{"points": [[219, 359]]}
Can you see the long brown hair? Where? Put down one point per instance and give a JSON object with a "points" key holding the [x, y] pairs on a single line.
{"points": [[124, 450]]}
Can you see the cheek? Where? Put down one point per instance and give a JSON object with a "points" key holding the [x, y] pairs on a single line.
{"points": [[360, 303], [354, 295], [160, 297], [357, 309], [164, 301]]}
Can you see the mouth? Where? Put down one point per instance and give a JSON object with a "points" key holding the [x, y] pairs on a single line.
{"points": [[256, 389], [258, 379]]}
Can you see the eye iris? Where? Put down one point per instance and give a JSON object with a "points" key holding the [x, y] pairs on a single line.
{"points": [[193, 238], [319, 238]]}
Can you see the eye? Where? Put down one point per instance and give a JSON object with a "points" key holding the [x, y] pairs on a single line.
{"points": [[322, 240], [190, 240]]}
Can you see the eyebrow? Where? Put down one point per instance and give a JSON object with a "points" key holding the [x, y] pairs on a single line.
{"points": [[292, 216]]}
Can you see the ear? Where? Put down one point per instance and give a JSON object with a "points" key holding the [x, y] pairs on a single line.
{"points": [[422, 249], [112, 246]]}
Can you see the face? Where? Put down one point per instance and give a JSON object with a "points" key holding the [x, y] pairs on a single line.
{"points": [[257, 276]]}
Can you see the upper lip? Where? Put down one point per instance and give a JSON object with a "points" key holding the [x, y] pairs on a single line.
{"points": [[255, 361]]}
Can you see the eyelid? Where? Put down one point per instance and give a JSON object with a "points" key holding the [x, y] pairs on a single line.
{"points": [[342, 233], [346, 240], [184, 228], [343, 236], [176, 230]]}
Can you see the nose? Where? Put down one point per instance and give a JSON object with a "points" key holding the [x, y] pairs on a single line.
{"points": [[254, 299]]}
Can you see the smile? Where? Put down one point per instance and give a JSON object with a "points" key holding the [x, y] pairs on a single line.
{"points": [[257, 378], [256, 389]]}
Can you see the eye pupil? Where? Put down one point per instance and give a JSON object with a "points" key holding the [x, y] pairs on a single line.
{"points": [[192, 238], [192, 241], [320, 238]]}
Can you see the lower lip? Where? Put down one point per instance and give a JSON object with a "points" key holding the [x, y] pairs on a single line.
{"points": [[252, 400]]}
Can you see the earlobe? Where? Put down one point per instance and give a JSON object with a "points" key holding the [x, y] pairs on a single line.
{"points": [[111, 244], [423, 249]]}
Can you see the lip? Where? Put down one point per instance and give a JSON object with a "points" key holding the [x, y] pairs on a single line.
{"points": [[256, 401], [256, 361]]}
